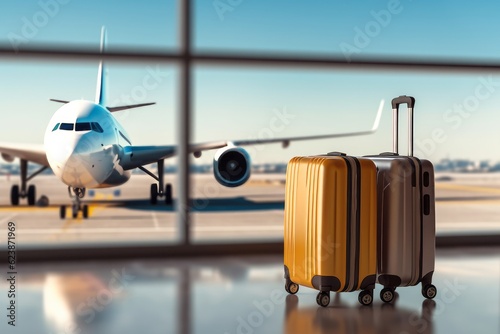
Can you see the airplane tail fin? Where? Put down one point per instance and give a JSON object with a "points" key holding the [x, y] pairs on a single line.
{"points": [[100, 95]]}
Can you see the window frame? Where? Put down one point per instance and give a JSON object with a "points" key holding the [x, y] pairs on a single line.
{"points": [[187, 59]]}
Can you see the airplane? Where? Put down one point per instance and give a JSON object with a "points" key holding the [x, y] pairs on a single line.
{"points": [[87, 148]]}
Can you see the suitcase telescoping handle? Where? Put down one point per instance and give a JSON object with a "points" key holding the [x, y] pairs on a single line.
{"points": [[410, 101]]}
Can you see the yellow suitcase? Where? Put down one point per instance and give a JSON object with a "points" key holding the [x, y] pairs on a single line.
{"points": [[330, 232]]}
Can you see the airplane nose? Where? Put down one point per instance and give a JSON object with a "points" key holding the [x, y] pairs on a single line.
{"points": [[63, 153], [76, 164], [71, 151], [83, 145]]}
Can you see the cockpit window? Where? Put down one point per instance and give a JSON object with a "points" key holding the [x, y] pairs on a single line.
{"points": [[96, 127], [82, 127], [66, 126]]}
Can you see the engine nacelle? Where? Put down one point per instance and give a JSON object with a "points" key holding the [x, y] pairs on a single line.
{"points": [[231, 166], [8, 158]]}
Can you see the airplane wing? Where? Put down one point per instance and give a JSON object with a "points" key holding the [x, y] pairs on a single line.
{"points": [[137, 156], [29, 152], [286, 141]]}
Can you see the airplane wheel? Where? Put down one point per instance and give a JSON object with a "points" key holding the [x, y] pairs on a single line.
{"points": [[85, 211], [31, 195], [168, 194], [154, 194], [14, 195], [62, 212], [75, 212]]}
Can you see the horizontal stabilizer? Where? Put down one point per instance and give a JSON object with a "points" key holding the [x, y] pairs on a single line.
{"points": [[59, 101], [130, 106], [113, 109]]}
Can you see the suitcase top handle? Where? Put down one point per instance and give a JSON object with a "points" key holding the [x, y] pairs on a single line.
{"points": [[410, 101], [403, 99]]}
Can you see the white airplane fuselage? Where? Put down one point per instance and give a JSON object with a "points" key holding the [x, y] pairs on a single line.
{"points": [[83, 143]]}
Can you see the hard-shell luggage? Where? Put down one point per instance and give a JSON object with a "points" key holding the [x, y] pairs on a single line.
{"points": [[406, 215], [330, 232]]}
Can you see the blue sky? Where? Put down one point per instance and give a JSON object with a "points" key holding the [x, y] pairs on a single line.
{"points": [[456, 113]]}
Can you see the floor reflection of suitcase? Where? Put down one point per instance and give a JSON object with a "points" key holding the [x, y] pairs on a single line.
{"points": [[330, 237], [346, 318], [406, 215]]}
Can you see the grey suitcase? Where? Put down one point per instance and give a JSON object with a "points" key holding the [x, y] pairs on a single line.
{"points": [[406, 215]]}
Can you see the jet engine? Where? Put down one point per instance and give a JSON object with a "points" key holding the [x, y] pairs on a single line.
{"points": [[231, 166], [7, 157]]}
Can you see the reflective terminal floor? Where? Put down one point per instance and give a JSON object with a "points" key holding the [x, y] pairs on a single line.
{"points": [[242, 295]]}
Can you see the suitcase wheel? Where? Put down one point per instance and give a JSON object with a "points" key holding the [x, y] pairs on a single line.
{"points": [[365, 297], [323, 298], [387, 295], [291, 287], [429, 291]]}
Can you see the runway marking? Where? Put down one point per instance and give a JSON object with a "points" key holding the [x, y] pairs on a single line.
{"points": [[150, 229], [238, 228], [155, 220], [468, 188], [468, 225], [445, 226], [27, 208], [98, 230], [71, 221], [468, 202], [7, 219]]}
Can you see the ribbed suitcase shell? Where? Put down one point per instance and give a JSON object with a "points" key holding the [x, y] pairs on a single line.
{"points": [[406, 217], [406, 214], [330, 238]]}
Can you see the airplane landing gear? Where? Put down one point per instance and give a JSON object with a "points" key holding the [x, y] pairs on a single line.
{"points": [[158, 189], [154, 194], [76, 194], [24, 191], [168, 194], [16, 194]]}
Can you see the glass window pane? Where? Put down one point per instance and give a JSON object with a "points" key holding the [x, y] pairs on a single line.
{"points": [[257, 103], [96, 127], [67, 126], [118, 214], [77, 24], [351, 28], [82, 126], [252, 103]]}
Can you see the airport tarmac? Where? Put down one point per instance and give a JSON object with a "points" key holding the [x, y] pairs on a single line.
{"points": [[466, 203]]}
